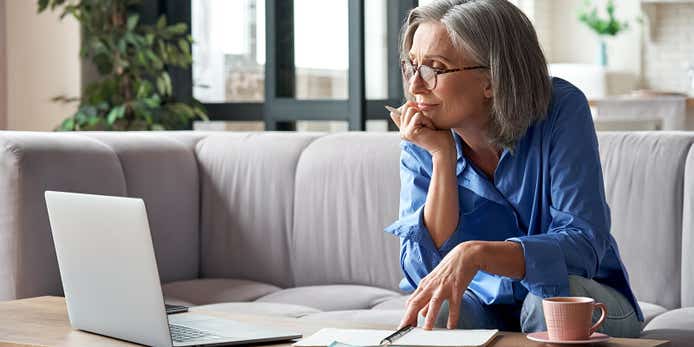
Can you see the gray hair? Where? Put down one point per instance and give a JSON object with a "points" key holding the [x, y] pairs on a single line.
{"points": [[497, 34]]}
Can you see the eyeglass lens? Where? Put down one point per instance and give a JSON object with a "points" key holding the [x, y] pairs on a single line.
{"points": [[427, 74]]}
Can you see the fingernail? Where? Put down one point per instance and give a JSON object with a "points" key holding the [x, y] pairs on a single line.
{"points": [[392, 109]]}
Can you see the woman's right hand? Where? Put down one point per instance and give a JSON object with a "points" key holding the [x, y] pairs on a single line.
{"points": [[417, 128]]}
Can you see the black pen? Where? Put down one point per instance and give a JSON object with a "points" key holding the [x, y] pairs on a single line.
{"points": [[392, 337]]}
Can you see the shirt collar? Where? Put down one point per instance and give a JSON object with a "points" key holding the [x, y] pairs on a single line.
{"points": [[474, 180], [460, 160], [458, 144]]}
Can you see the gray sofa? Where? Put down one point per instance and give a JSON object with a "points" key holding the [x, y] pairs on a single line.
{"points": [[292, 224]]}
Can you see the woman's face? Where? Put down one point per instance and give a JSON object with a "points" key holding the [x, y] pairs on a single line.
{"points": [[460, 99]]}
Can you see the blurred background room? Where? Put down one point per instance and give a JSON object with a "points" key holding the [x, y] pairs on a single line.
{"points": [[255, 68]]}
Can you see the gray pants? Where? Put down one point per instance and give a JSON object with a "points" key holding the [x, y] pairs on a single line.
{"points": [[621, 321]]}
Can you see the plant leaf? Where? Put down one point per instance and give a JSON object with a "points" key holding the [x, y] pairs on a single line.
{"points": [[116, 113], [67, 125], [161, 23], [42, 5], [178, 28], [132, 21], [134, 89]]}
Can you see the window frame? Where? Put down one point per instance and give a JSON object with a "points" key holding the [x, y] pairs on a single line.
{"points": [[280, 110]]}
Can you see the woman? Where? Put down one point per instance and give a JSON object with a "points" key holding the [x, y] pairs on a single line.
{"points": [[502, 198]]}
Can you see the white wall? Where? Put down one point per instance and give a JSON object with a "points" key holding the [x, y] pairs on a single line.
{"points": [[42, 61], [539, 12], [3, 78]]}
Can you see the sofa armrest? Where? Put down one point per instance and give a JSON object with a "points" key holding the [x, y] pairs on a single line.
{"points": [[688, 233], [30, 164]]}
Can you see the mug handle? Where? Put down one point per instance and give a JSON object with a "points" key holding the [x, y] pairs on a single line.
{"points": [[602, 308]]}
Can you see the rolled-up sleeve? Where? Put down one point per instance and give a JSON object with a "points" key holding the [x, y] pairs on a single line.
{"points": [[578, 234], [418, 254]]}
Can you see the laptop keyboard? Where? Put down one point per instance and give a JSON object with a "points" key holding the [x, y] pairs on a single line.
{"points": [[180, 333]]}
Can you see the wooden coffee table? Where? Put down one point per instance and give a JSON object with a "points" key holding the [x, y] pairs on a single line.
{"points": [[43, 321]]}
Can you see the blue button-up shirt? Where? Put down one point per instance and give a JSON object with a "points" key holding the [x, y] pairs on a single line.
{"points": [[548, 195]]}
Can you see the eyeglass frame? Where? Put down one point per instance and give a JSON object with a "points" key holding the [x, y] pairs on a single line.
{"points": [[437, 72]]}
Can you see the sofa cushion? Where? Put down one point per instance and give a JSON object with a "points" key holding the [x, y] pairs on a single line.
{"points": [[381, 317], [247, 204], [215, 290], [164, 173], [396, 303], [347, 191], [331, 297], [650, 311], [676, 326], [261, 308], [644, 177], [681, 318]]}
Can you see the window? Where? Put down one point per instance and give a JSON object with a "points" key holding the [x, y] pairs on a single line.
{"points": [[229, 50], [321, 57], [376, 39], [287, 61]]}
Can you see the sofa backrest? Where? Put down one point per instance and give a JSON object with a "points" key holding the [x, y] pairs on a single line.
{"points": [[160, 168], [247, 204], [644, 179], [308, 208], [347, 191]]}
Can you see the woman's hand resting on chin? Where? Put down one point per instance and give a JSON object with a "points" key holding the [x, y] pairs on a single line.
{"points": [[419, 129]]}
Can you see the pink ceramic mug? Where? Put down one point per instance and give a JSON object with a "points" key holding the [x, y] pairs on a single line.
{"points": [[570, 318]]}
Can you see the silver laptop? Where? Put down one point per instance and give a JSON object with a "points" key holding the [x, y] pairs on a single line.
{"points": [[111, 281]]}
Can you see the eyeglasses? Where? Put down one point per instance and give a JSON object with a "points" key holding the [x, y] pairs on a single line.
{"points": [[428, 73]]}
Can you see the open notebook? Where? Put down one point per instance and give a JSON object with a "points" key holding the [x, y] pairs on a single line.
{"points": [[416, 337]]}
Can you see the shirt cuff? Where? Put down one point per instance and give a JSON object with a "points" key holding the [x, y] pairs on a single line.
{"points": [[412, 227], [545, 267]]}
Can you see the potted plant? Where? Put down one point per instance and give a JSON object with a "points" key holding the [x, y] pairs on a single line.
{"points": [[133, 90], [603, 27]]}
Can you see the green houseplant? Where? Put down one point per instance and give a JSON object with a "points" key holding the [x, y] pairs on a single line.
{"points": [[603, 27], [133, 90]]}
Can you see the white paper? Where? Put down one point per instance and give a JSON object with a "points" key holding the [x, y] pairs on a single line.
{"points": [[416, 337]]}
